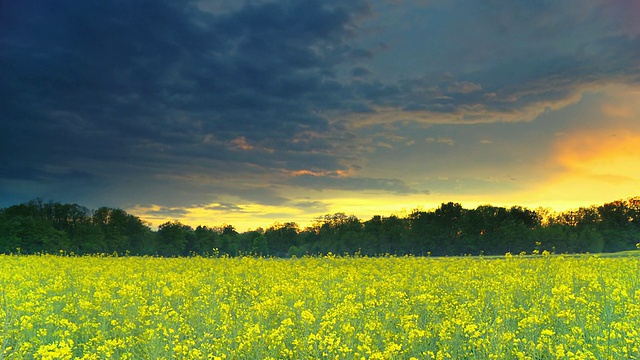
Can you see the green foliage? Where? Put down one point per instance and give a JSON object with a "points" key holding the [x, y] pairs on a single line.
{"points": [[172, 238], [37, 226], [51, 227], [259, 245]]}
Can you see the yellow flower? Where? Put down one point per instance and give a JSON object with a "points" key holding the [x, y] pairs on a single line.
{"points": [[320, 307], [547, 332]]}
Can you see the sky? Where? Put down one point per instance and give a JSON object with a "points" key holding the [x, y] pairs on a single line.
{"points": [[253, 112]]}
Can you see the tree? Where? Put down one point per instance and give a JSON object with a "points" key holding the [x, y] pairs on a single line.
{"points": [[172, 238], [447, 224], [591, 240], [281, 237], [31, 235], [88, 238], [419, 227], [615, 215], [112, 223], [259, 245], [393, 236], [204, 241], [121, 232], [338, 233], [513, 236], [450, 229], [372, 231]]}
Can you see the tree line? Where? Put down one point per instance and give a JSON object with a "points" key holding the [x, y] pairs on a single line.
{"points": [[51, 227]]}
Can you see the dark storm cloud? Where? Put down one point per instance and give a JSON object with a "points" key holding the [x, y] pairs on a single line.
{"points": [[24, 172], [143, 82], [118, 62], [360, 72]]}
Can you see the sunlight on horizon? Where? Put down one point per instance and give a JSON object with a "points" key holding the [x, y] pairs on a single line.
{"points": [[256, 216]]}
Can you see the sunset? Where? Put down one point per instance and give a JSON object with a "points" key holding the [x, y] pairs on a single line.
{"points": [[256, 112], [319, 179]]}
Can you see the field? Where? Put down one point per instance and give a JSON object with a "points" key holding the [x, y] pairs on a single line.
{"points": [[513, 307]]}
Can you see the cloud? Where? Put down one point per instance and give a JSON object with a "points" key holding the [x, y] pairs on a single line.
{"points": [[163, 212], [463, 87], [161, 86], [360, 184], [511, 64], [241, 143], [440, 140], [223, 207], [360, 72], [170, 67], [310, 204], [222, 102]]}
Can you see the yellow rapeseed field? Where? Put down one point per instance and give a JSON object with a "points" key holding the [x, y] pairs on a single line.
{"points": [[513, 307]]}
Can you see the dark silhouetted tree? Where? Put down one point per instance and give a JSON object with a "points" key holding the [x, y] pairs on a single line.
{"points": [[281, 237], [172, 238]]}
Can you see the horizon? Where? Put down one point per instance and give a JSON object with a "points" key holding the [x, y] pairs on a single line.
{"points": [[252, 112], [543, 211], [248, 225]]}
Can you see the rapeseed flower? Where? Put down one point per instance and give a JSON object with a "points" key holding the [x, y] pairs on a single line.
{"points": [[513, 307]]}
